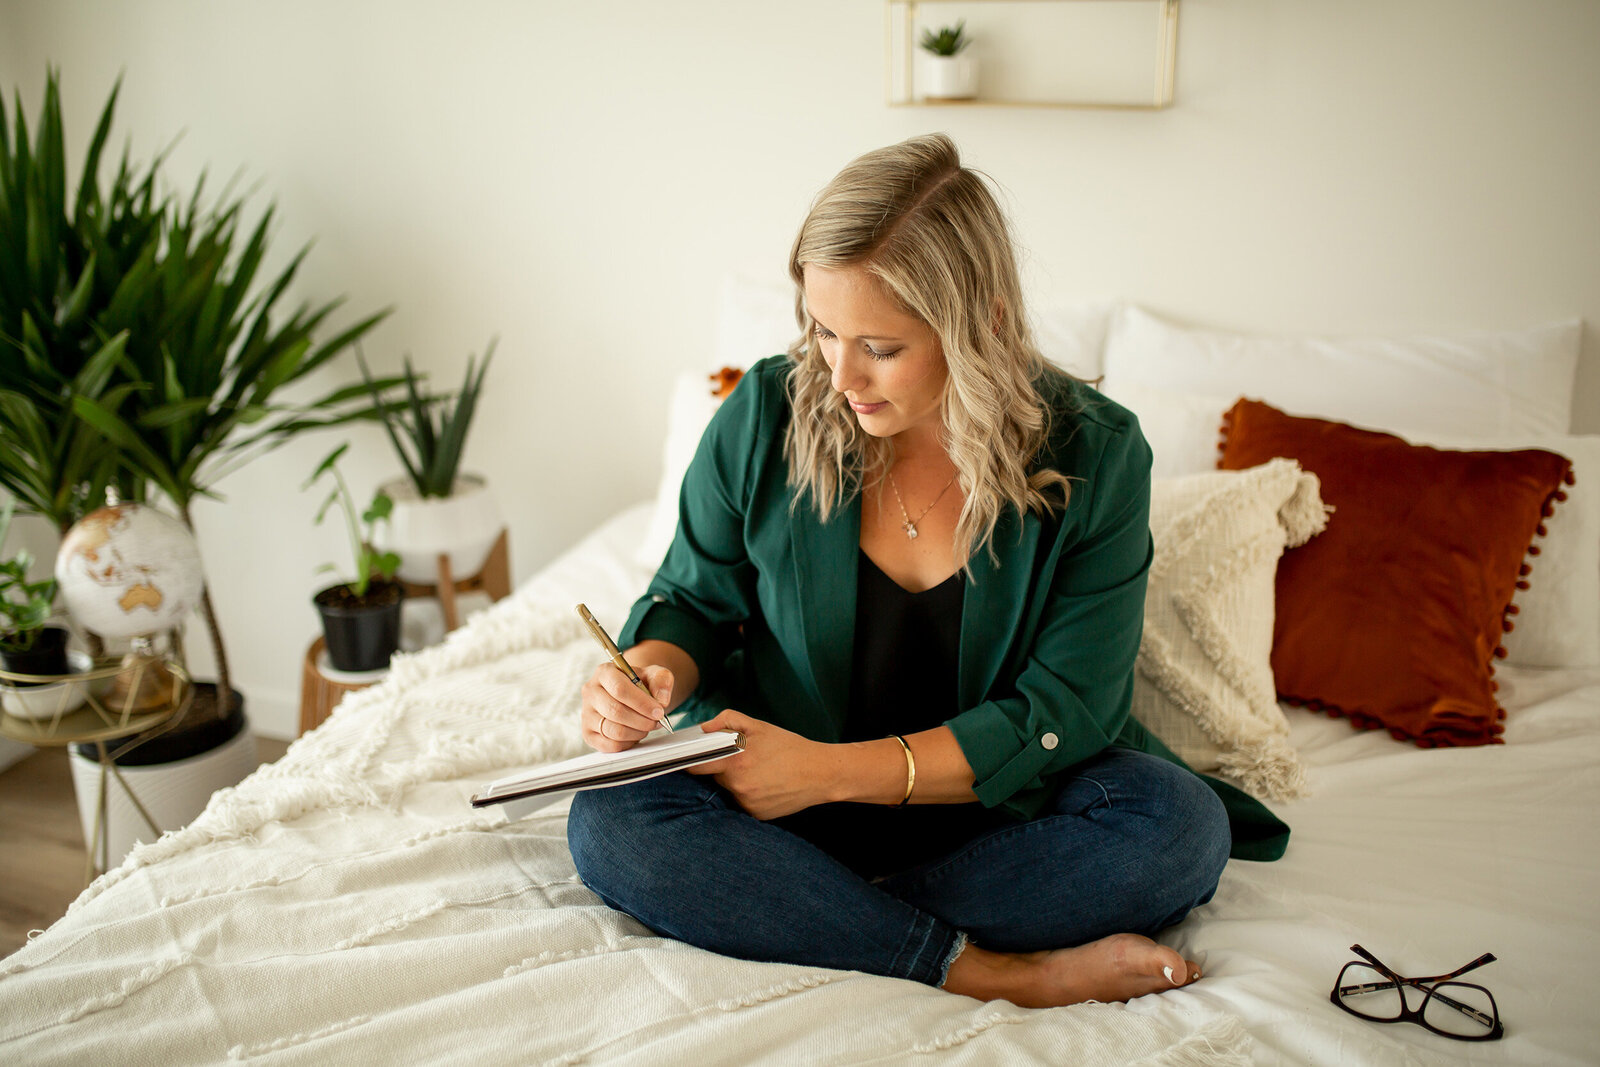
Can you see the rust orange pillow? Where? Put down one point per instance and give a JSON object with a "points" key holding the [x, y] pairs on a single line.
{"points": [[1393, 616]]}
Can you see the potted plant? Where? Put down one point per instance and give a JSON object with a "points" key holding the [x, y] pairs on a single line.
{"points": [[209, 353], [141, 351], [949, 71], [137, 348], [27, 644], [437, 509], [64, 260], [361, 617]]}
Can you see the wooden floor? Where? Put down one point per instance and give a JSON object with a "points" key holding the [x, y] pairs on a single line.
{"points": [[41, 842]]}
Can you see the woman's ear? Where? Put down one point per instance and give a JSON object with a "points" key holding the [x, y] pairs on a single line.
{"points": [[997, 318]]}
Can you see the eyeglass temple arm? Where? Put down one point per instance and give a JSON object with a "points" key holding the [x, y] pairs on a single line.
{"points": [[1382, 967], [1487, 957]]}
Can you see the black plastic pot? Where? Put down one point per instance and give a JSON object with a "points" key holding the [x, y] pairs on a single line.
{"points": [[47, 657], [360, 634], [205, 727]]}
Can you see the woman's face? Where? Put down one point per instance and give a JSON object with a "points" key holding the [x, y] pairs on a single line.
{"points": [[887, 362]]}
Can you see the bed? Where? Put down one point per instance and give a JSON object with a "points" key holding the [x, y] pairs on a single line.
{"points": [[347, 905]]}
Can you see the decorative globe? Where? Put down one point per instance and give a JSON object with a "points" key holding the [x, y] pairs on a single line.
{"points": [[129, 570]]}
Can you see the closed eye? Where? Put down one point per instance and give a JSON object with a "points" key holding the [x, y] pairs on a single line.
{"points": [[825, 334]]}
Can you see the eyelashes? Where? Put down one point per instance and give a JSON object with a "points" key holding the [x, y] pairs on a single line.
{"points": [[825, 334]]}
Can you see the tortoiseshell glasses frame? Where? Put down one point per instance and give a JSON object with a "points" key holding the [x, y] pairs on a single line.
{"points": [[1464, 998]]}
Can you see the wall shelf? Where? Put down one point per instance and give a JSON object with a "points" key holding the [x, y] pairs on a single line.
{"points": [[1016, 34]]}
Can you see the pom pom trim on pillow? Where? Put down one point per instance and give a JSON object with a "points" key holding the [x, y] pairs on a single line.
{"points": [[1394, 617]]}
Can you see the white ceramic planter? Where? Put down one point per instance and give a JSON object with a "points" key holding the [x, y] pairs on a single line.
{"points": [[464, 525], [173, 793], [49, 700], [949, 77]]}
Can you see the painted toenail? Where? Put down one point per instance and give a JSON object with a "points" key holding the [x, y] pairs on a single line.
{"points": [[1168, 972]]}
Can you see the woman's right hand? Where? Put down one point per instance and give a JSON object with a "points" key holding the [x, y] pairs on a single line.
{"points": [[615, 714]]}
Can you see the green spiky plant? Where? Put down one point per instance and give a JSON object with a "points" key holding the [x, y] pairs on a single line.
{"points": [[64, 259], [166, 361], [948, 41], [435, 427], [212, 356]]}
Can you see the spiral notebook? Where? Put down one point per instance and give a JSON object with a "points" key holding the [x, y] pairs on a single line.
{"points": [[659, 753]]}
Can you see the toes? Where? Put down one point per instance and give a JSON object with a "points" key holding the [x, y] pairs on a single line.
{"points": [[1177, 970]]}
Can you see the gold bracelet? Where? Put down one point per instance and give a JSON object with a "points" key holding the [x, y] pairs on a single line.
{"points": [[911, 770]]}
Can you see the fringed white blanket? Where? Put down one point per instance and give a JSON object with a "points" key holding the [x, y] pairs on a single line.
{"points": [[346, 905]]}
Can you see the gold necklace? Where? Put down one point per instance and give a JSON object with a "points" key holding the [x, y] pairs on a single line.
{"points": [[910, 525]]}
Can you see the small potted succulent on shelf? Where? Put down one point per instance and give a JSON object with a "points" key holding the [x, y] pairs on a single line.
{"points": [[27, 644], [361, 617], [438, 511], [949, 71]]}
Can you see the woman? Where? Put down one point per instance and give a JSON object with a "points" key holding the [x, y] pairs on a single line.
{"points": [[910, 568]]}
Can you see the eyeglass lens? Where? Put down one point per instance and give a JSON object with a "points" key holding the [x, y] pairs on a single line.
{"points": [[1455, 1008], [1460, 1009], [1368, 993]]}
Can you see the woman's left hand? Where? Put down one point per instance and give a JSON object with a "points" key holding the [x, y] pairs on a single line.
{"points": [[778, 773]]}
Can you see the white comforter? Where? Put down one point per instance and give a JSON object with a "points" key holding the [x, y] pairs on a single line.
{"points": [[346, 905]]}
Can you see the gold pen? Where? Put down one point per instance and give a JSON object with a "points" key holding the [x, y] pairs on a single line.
{"points": [[610, 646]]}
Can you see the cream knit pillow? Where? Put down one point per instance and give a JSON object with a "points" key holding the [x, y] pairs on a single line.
{"points": [[1204, 681]]}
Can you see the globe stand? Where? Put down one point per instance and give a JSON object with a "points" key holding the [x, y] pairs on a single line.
{"points": [[131, 571], [145, 681], [100, 721]]}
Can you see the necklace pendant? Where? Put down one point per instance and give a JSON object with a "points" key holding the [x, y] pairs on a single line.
{"points": [[911, 531]]}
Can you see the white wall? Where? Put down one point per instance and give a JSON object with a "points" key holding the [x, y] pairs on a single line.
{"points": [[577, 177]]}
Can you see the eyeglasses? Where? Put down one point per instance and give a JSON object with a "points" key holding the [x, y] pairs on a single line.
{"points": [[1458, 1010]]}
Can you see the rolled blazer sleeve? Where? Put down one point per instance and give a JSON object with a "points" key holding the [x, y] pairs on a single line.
{"points": [[705, 586], [1072, 695]]}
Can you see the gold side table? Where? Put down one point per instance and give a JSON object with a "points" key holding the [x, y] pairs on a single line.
{"points": [[94, 723]]}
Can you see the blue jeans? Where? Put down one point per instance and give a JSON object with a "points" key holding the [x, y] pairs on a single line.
{"points": [[1130, 844]]}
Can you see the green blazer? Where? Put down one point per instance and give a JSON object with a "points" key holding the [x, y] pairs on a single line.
{"points": [[762, 596]]}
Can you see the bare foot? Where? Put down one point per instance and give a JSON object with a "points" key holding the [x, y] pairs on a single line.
{"points": [[1118, 967]]}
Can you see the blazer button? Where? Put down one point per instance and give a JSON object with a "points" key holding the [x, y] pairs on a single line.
{"points": [[659, 599], [1049, 741]]}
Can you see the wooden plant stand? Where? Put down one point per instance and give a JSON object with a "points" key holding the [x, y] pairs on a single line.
{"points": [[494, 579], [321, 692]]}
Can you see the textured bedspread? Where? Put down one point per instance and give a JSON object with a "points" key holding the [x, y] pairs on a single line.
{"points": [[345, 905]]}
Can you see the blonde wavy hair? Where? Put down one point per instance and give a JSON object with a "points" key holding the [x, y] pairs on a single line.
{"points": [[932, 232]]}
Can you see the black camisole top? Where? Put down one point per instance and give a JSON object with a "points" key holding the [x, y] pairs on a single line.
{"points": [[902, 680]]}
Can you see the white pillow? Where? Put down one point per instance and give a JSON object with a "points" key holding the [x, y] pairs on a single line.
{"points": [[1204, 681], [1558, 619], [693, 404], [1072, 335], [1182, 429], [754, 320], [1470, 385]]}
